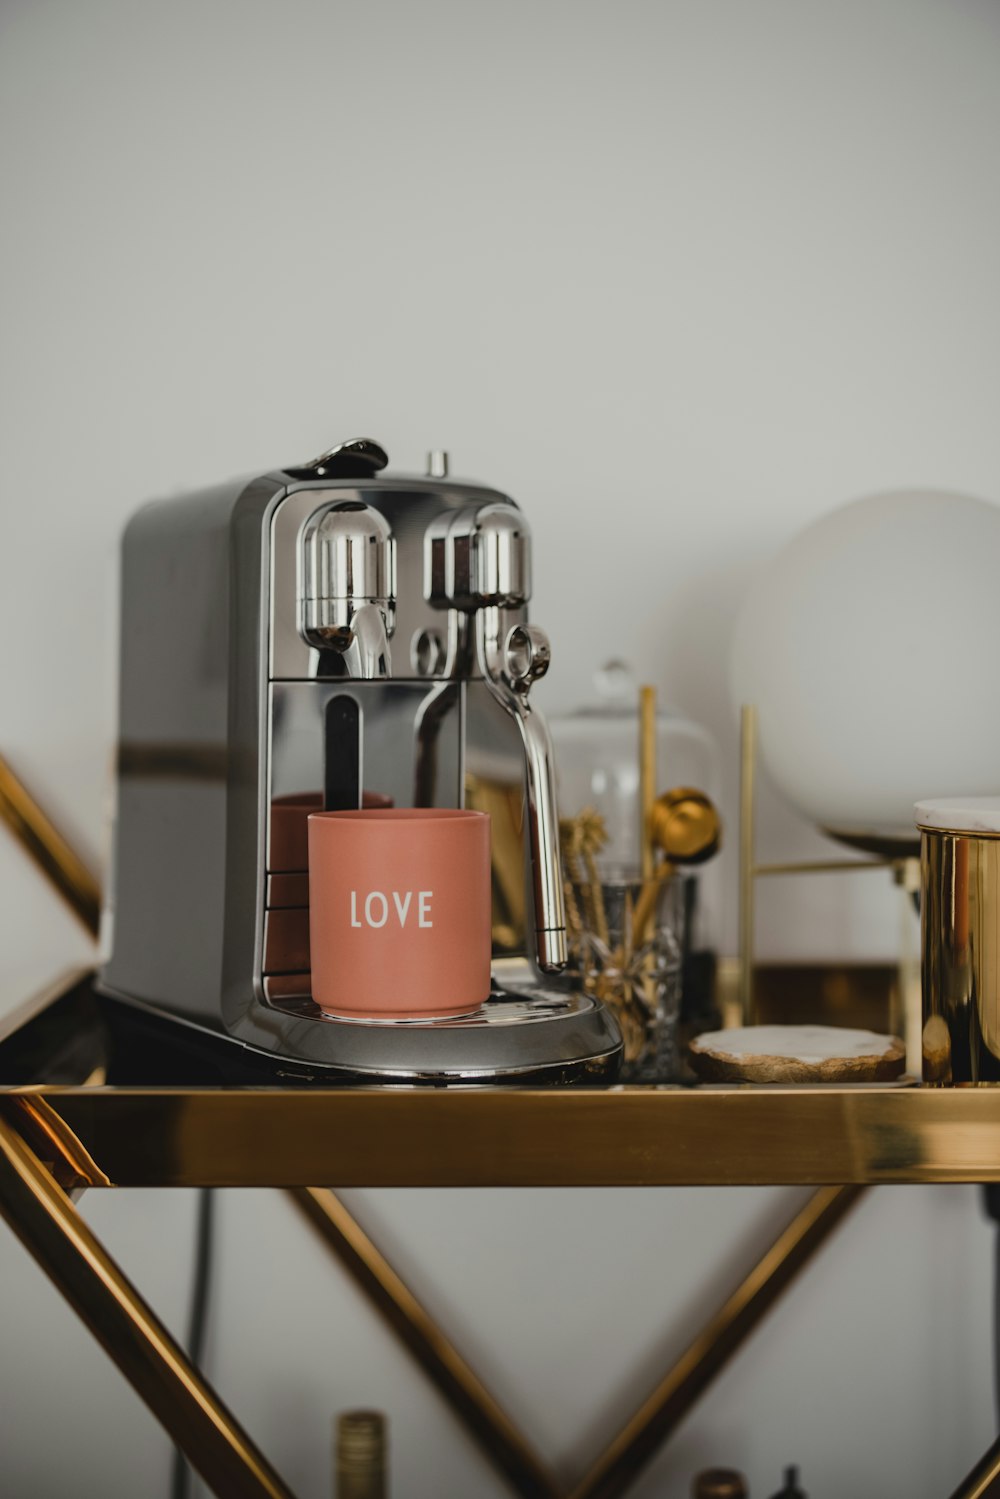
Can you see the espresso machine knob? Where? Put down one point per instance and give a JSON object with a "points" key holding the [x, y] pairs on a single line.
{"points": [[428, 653], [348, 599], [527, 654]]}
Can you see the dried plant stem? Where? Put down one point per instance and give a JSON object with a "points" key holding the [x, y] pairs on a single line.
{"points": [[647, 777], [600, 923], [645, 909]]}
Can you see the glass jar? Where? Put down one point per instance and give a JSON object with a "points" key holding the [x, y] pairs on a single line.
{"points": [[624, 941]]}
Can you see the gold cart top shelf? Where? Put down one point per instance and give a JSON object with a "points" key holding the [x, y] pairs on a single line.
{"points": [[107, 1101]]}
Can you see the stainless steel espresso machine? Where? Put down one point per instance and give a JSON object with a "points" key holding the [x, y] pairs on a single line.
{"points": [[329, 636]]}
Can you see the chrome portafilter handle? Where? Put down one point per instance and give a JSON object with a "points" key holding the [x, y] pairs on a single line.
{"points": [[348, 586]]}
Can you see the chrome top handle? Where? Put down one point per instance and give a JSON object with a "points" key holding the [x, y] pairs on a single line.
{"points": [[348, 585]]}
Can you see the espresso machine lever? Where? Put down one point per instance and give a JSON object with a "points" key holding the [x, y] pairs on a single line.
{"points": [[349, 586], [479, 563]]}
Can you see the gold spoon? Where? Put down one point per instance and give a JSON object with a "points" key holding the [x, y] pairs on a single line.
{"points": [[685, 826]]}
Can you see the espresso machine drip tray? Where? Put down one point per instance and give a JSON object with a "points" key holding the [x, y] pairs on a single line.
{"points": [[525, 1033]]}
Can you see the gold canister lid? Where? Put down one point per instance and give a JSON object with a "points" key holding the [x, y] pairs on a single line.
{"points": [[360, 1455], [969, 816], [719, 1483]]}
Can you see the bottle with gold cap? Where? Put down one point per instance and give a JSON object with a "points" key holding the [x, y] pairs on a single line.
{"points": [[719, 1483], [360, 1456], [790, 1489]]}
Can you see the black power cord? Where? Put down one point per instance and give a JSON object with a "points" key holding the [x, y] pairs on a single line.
{"points": [[180, 1473], [991, 1202]]}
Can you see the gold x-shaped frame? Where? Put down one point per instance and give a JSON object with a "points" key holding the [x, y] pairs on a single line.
{"points": [[43, 1166]]}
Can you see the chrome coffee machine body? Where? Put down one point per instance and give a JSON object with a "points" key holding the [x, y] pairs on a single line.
{"points": [[327, 637]]}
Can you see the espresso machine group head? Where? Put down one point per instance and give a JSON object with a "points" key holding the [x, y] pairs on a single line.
{"points": [[328, 637]]}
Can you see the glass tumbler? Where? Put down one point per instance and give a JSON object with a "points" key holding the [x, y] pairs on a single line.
{"points": [[625, 941]]}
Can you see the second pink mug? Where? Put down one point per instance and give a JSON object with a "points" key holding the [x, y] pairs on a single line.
{"points": [[400, 911]]}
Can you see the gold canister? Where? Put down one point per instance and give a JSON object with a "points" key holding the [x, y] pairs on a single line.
{"points": [[960, 927]]}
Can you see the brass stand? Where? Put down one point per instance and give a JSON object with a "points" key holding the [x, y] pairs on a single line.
{"points": [[984, 1478], [85, 1133], [905, 869], [59, 1240], [493, 1430], [660, 1415], [42, 841]]}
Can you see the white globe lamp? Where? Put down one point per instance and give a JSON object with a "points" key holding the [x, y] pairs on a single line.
{"points": [[869, 647]]}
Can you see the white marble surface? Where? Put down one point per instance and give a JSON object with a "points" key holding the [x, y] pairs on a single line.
{"points": [[800, 1043], [960, 814]]}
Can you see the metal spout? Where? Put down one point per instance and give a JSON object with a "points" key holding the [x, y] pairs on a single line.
{"points": [[349, 586], [510, 660], [367, 652]]}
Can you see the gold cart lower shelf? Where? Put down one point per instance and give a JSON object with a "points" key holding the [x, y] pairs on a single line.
{"points": [[94, 1093]]}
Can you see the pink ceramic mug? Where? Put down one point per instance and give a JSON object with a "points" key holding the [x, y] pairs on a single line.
{"points": [[400, 911]]}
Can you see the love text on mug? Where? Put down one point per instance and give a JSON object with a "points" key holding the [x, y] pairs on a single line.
{"points": [[377, 907]]}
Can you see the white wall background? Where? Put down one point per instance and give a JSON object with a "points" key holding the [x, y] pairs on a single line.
{"points": [[680, 277]]}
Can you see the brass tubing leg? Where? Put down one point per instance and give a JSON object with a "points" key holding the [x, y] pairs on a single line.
{"points": [[43, 842], [63, 1245], [748, 766], [984, 1478], [490, 1426], [823, 866], [669, 1403]]}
